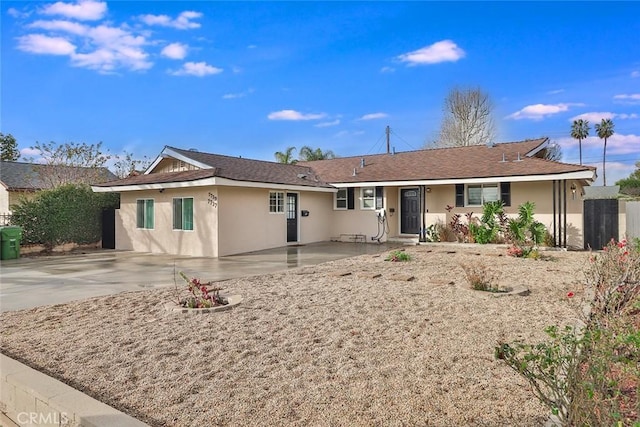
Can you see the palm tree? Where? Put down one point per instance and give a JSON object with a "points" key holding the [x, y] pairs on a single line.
{"points": [[604, 129], [308, 154], [286, 157], [580, 131]]}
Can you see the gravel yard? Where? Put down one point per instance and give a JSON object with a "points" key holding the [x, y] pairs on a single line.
{"points": [[312, 347]]}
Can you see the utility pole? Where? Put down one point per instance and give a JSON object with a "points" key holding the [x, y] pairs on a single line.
{"points": [[388, 132]]}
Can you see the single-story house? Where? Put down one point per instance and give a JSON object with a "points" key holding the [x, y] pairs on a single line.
{"points": [[200, 204], [20, 179]]}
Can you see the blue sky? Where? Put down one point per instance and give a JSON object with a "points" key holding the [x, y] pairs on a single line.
{"points": [[252, 78]]}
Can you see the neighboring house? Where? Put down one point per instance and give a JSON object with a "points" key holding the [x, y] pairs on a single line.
{"points": [[19, 180], [200, 204]]}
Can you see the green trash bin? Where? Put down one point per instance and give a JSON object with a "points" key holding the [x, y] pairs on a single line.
{"points": [[10, 238]]}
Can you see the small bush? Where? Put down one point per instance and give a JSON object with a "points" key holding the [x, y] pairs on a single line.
{"points": [[398, 256], [480, 277]]}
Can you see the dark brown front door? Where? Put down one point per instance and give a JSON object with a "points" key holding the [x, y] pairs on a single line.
{"points": [[292, 217], [410, 211]]}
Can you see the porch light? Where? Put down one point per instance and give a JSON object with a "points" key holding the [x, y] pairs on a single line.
{"points": [[573, 190]]}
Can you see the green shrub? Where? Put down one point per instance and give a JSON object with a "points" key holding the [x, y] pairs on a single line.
{"points": [[487, 229], [69, 213], [591, 377], [398, 256]]}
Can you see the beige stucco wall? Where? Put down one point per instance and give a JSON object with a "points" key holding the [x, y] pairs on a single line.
{"points": [[247, 225], [357, 220], [541, 193], [202, 241]]}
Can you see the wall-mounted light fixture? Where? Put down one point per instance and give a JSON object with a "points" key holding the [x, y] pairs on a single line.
{"points": [[428, 189], [162, 190], [573, 190]]}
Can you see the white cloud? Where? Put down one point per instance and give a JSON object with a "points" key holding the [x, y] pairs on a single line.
{"points": [[596, 117], [387, 70], [555, 92], [442, 51], [630, 98], [45, 45], [237, 95], [84, 10], [345, 133], [182, 22], [175, 51], [61, 25], [114, 48], [624, 144], [199, 69], [252, 46], [15, 13], [374, 116], [294, 115], [336, 122], [635, 74], [538, 111]]}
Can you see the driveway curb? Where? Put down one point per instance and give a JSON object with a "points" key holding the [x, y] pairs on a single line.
{"points": [[29, 397]]}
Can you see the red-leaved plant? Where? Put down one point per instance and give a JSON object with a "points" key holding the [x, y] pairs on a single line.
{"points": [[200, 294]]}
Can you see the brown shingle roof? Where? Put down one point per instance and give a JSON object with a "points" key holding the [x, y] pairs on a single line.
{"points": [[161, 178], [478, 161], [233, 168]]}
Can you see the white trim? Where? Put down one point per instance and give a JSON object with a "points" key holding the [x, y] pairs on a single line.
{"points": [[335, 201], [539, 148], [193, 219], [284, 199], [586, 175], [208, 182], [168, 152], [298, 216], [362, 206], [407, 187]]}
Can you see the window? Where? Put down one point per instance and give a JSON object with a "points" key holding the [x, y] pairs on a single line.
{"points": [[276, 202], [341, 199], [144, 213], [368, 197], [479, 194], [183, 213]]}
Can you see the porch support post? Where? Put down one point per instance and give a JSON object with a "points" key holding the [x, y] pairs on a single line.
{"points": [[423, 220], [553, 185], [564, 227]]}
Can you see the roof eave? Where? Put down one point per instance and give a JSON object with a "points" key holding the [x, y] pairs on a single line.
{"points": [[207, 182], [586, 175]]}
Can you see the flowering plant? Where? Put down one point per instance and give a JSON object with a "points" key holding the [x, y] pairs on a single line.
{"points": [[201, 296]]}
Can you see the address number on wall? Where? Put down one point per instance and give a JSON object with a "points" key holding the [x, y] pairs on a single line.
{"points": [[212, 200]]}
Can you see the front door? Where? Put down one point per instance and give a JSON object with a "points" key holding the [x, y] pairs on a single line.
{"points": [[409, 211], [292, 217]]}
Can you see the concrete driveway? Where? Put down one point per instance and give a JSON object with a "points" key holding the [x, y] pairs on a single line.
{"points": [[35, 281]]}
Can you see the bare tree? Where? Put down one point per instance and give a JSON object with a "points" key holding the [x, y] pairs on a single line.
{"points": [[468, 119], [127, 165], [78, 163]]}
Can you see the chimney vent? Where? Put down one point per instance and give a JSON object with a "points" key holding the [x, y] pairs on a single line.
{"points": [[355, 171], [362, 164]]}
